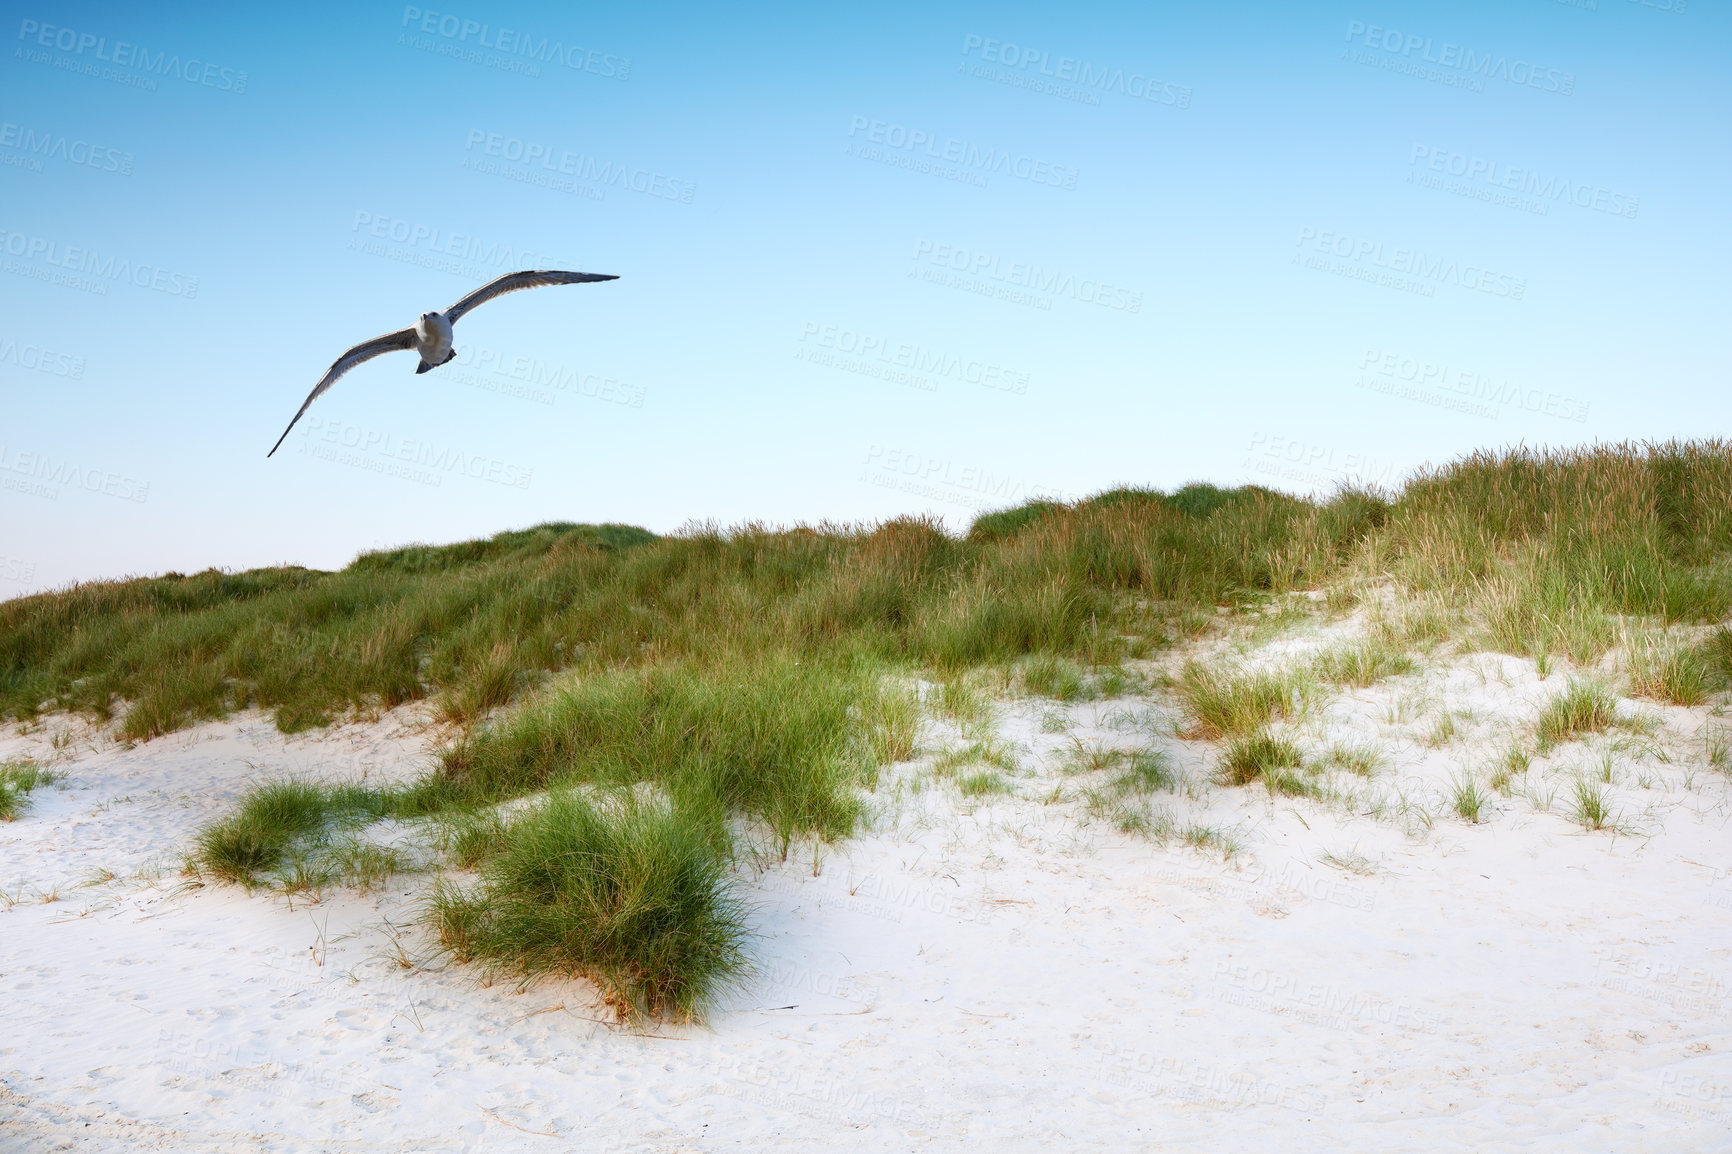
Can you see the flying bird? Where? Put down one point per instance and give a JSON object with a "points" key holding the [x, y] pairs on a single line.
{"points": [[431, 335]]}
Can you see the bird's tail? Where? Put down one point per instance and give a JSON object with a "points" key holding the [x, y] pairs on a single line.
{"points": [[422, 368]]}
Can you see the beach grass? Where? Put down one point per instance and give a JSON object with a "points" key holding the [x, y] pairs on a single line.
{"points": [[627, 893], [671, 695], [17, 778], [1585, 706]]}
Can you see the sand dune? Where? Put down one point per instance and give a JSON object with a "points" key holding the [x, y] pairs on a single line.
{"points": [[1005, 971]]}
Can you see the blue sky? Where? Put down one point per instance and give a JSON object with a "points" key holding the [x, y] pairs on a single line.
{"points": [[873, 260]]}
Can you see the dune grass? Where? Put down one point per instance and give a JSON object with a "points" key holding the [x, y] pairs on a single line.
{"points": [[1263, 756], [1364, 662], [788, 743], [17, 779], [279, 818], [755, 679], [1585, 706], [628, 894], [1468, 798], [1591, 805], [1670, 671], [1229, 702], [1538, 550]]}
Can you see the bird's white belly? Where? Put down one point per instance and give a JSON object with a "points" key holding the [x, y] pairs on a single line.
{"points": [[433, 339]]}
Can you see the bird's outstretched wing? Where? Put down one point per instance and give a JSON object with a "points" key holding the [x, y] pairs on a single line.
{"points": [[365, 351], [513, 281]]}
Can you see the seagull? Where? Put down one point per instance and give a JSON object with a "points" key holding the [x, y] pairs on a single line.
{"points": [[431, 335]]}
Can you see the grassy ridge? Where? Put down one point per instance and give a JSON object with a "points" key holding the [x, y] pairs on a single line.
{"points": [[476, 624], [1548, 547]]}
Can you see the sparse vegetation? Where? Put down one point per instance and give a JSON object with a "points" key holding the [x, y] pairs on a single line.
{"points": [[989, 751], [982, 784], [1591, 804], [1585, 706], [1349, 861], [17, 779], [1362, 758], [1510, 764], [1363, 662]]}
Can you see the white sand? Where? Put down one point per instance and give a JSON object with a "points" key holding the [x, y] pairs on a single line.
{"points": [[992, 978]]}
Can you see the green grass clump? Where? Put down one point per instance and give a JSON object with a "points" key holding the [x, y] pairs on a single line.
{"points": [[17, 779], [1361, 758], [990, 751], [785, 742], [1668, 671], [1054, 677], [1585, 706], [630, 895], [1514, 762], [1591, 805], [1149, 770], [982, 784], [1467, 798], [1263, 756], [1227, 703], [276, 819], [1362, 663]]}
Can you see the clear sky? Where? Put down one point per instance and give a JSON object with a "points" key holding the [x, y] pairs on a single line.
{"points": [[874, 259]]}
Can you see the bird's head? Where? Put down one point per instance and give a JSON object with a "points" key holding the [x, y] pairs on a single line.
{"points": [[428, 316]]}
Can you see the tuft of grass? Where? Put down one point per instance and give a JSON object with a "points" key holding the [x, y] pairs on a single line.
{"points": [[1362, 663], [1262, 756], [470, 837], [1467, 797], [1083, 757], [365, 865], [1227, 703], [1149, 770], [1361, 758], [1421, 624], [1584, 706], [1512, 763], [627, 894], [891, 717], [17, 779], [788, 743], [1591, 804], [1349, 861], [1664, 670], [1716, 748], [492, 682], [276, 818], [963, 702], [1716, 651], [982, 784], [1208, 837], [1057, 678], [1441, 733], [990, 751]]}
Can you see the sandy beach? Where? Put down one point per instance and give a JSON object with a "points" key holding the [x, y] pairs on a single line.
{"points": [[1003, 970]]}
